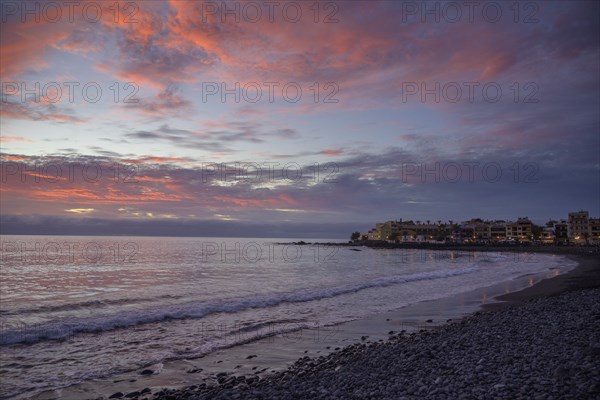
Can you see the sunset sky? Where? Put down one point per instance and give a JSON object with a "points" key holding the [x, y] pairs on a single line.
{"points": [[413, 110]]}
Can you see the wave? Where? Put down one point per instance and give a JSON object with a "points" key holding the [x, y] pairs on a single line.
{"points": [[86, 305], [66, 328]]}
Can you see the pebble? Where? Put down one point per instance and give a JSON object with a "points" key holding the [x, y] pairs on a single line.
{"points": [[541, 349]]}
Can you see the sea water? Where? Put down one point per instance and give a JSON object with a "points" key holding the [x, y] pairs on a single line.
{"points": [[78, 308]]}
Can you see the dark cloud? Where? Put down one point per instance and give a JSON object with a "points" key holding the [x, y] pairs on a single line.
{"points": [[179, 137], [104, 152], [363, 188], [44, 225], [29, 110], [168, 102], [214, 138]]}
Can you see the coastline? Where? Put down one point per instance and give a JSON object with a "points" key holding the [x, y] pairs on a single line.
{"points": [[222, 375], [586, 275], [511, 248]]}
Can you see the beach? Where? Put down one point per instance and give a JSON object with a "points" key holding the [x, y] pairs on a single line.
{"points": [[174, 316], [540, 342], [585, 276], [299, 200]]}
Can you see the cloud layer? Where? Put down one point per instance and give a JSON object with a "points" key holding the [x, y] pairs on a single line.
{"points": [[409, 106]]}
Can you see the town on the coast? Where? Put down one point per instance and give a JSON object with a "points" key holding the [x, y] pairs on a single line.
{"points": [[577, 230]]}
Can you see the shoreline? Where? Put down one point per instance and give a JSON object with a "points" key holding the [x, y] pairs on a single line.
{"points": [[324, 373], [221, 372], [512, 248], [539, 342], [586, 275]]}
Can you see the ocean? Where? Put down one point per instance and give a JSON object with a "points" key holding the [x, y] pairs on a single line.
{"points": [[79, 308]]}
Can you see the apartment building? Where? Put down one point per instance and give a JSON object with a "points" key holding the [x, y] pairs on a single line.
{"points": [[594, 237], [498, 231], [521, 231], [373, 234], [561, 232], [578, 227]]}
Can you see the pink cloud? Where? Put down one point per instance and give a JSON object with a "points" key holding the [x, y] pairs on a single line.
{"points": [[331, 152], [8, 139]]}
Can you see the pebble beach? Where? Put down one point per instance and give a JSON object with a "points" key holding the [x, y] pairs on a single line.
{"points": [[540, 343]]}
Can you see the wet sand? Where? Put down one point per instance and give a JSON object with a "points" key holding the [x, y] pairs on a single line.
{"points": [[585, 276]]}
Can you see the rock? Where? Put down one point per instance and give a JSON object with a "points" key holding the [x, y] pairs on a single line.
{"points": [[147, 372], [132, 394], [561, 372], [117, 395]]}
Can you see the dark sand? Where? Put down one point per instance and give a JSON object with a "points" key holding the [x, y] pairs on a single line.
{"points": [[585, 276]]}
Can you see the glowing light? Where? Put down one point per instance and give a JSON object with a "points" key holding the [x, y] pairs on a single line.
{"points": [[81, 210], [224, 217]]}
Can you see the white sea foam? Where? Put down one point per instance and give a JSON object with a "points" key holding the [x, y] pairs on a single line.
{"points": [[61, 329], [169, 304]]}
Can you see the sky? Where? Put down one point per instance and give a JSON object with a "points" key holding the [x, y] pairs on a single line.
{"points": [[299, 119]]}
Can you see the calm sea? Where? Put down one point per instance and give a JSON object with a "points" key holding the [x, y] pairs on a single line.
{"points": [[78, 308]]}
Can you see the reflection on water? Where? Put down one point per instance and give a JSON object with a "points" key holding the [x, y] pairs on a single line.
{"points": [[488, 294], [124, 311]]}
